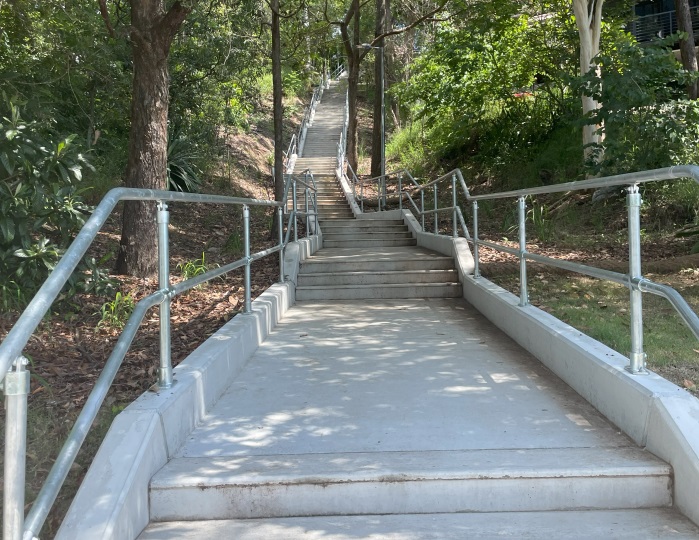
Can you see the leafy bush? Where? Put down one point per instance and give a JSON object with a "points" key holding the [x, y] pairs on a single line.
{"points": [[646, 119], [41, 207], [182, 171]]}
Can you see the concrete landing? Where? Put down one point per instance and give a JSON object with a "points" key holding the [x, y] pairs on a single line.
{"points": [[401, 376]]}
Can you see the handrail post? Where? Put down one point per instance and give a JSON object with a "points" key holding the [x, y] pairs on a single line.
{"points": [[436, 213], [422, 208], [523, 294], [383, 191], [295, 208], [637, 358], [453, 200], [400, 191], [246, 234], [165, 371], [361, 190], [280, 226], [15, 386], [308, 221], [476, 267]]}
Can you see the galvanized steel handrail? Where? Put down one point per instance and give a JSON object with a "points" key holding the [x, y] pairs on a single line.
{"points": [[337, 72], [15, 378], [634, 280]]}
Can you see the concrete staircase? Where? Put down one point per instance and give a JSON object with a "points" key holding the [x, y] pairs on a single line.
{"points": [[370, 258], [367, 416]]}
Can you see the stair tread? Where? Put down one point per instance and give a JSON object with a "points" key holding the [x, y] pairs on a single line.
{"points": [[381, 286], [571, 525], [378, 272], [409, 466]]}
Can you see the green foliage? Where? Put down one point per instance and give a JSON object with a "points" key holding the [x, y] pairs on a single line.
{"points": [[115, 313], [494, 85], [234, 244], [541, 222], [197, 267], [41, 207], [647, 121], [182, 171], [407, 146]]}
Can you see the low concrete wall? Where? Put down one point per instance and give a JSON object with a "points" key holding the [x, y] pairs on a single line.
{"points": [[112, 502], [655, 413]]}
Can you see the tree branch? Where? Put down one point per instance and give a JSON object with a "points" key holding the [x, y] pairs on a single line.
{"points": [[105, 16], [412, 25]]}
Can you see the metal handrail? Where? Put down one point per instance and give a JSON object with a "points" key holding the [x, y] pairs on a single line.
{"points": [[14, 376], [337, 72], [634, 280], [310, 194]]}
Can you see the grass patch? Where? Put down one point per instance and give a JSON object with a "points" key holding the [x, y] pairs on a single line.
{"points": [[601, 310]]}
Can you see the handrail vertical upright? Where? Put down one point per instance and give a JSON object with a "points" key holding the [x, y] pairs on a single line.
{"points": [[15, 386], [422, 207], [400, 191], [637, 358], [522, 214], [165, 371], [453, 212], [436, 208], [308, 219], [476, 268], [246, 233], [280, 226], [295, 208]]}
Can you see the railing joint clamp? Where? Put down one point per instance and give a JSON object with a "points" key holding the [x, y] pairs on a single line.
{"points": [[17, 379]]}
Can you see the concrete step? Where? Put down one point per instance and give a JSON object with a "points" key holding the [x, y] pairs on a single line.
{"points": [[375, 259], [569, 525], [327, 214], [388, 291], [358, 229], [315, 266], [369, 277], [363, 223], [365, 236], [375, 483], [369, 243]]}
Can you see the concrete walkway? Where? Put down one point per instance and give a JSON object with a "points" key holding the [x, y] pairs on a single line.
{"points": [[406, 407]]}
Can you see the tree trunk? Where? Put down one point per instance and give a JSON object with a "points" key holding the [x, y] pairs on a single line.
{"points": [[152, 33], [383, 17], [588, 18], [687, 50], [278, 111], [351, 45]]}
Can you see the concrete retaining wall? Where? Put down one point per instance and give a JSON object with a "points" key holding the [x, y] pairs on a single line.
{"points": [[112, 502]]}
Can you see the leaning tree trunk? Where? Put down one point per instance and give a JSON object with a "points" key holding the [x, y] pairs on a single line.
{"points": [[687, 50], [152, 33]]}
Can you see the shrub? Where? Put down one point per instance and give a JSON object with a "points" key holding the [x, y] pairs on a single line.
{"points": [[41, 207]]}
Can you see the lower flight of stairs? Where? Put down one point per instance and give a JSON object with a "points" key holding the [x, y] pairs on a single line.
{"points": [[370, 258], [551, 484]]}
